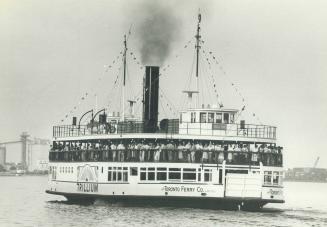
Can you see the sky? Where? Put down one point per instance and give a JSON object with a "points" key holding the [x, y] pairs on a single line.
{"points": [[274, 52]]}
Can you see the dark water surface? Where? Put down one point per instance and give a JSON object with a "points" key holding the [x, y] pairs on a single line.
{"points": [[23, 202]]}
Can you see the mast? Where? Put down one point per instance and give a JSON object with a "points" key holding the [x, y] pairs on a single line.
{"points": [[197, 37], [124, 79]]}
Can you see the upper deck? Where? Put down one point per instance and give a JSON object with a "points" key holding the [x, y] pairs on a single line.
{"points": [[172, 128]]}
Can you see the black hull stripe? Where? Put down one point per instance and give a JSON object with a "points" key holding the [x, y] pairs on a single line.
{"points": [[177, 198]]}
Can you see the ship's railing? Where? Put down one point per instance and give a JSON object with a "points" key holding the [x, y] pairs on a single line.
{"points": [[171, 128], [221, 129], [168, 155]]}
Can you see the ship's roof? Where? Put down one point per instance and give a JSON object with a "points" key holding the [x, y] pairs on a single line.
{"points": [[211, 110]]}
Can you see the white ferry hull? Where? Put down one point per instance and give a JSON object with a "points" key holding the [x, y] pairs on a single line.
{"points": [[232, 191]]}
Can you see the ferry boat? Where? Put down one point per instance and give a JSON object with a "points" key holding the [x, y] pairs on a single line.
{"points": [[202, 158]]}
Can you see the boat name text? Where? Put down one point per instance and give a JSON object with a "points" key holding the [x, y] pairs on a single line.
{"points": [[181, 189], [87, 187]]}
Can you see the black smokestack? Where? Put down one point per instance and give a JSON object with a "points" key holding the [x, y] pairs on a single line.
{"points": [[156, 29], [151, 98]]}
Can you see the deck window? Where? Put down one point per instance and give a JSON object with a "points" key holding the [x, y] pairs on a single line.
{"points": [[277, 178], [219, 118], [114, 174], [267, 177], [232, 118], [162, 174], [151, 174], [207, 175], [211, 117], [133, 171], [226, 118], [118, 174], [199, 175], [125, 174], [147, 174], [174, 174], [143, 174], [193, 117], [189, 174], [203, 117]]}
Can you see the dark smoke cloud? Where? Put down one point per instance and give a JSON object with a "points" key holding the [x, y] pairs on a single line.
{"points": [[156, 28]]}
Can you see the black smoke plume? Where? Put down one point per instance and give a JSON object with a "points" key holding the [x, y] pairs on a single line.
{"points": [[157, 27]]}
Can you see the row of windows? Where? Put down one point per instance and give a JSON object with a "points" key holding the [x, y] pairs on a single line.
{"points": [[273, 178], [66, 169], [174, 174], [118, 174], [62, 169], [212, 117]]}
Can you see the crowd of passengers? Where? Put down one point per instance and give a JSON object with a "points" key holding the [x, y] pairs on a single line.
{"points": [[180, 151]]}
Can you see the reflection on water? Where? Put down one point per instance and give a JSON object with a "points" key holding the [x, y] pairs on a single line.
{"points": [[24, 203]]}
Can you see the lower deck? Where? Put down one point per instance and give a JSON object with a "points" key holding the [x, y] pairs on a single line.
{"points": [[170, 182]]}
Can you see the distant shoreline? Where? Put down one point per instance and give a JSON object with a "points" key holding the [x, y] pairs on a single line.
{"points": [[304, 181], [9, 174]]}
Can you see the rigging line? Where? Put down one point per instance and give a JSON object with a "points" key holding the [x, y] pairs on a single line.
{"points": [[163, 109], [130, 90], [73, 111], [138, 105], [115, 92], [237, 90], [205, 77], [225, 75], [135, 59], [129, 32], [172, 109], [213, 79], [178, 53], [191, 72], [116, 81], [183, 99], [166, 97], [244, 101]]}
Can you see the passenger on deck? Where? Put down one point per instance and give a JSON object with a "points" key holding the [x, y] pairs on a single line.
{"points": [[144, 149], [113, 148], [180, 149], [261, 148], [193, 149], [163, 153], [254, 155], [265, 149], [211, 154], [220, 157], [138, 151], [120, 149], [170, 148], [230, 157], [244, 148], [237, 148], [205, 155], [198, 152], [157, 153], [188, 147]]}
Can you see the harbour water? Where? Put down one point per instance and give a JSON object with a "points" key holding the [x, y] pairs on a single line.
{"points": [[23, 202]]}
